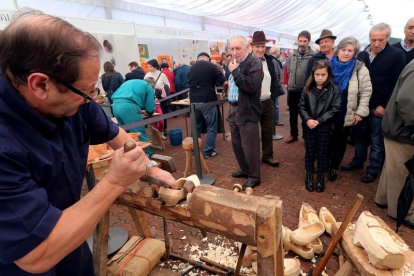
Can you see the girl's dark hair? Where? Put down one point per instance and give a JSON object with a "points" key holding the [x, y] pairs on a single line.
{"points": [[320, 64], [164, 65], [154, 63], [109, 67]]}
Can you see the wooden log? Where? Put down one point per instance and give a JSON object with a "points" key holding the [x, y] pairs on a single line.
{"points": [[346, 269], [167, 162], [244, 218], [383, 251], [359, 257], [100, 246]]}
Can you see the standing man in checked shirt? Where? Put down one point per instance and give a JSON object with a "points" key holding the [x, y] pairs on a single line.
{"points": [[245, 84]]}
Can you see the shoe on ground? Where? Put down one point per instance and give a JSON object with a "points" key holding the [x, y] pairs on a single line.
{"points": [[163, 137], [332, 175], [368, 178], [291, 139], [239, 174], [409, 223], [352, 166], [279, 124], [382, 206], [210, 154], [251, 183], [272, 162]]}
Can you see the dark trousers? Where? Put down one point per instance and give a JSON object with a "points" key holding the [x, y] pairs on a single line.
{"points": [[267, 127], [317, 145], [339, 142], [246, 144], [293, 103], [165, 107], [362, 141]]}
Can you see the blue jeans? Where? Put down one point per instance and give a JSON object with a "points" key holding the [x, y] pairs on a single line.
{"points": [[377, 152], [276, 117], [208, 118]]}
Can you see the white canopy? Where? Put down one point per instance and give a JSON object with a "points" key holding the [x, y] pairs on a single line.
{"points": [[277, 17]]}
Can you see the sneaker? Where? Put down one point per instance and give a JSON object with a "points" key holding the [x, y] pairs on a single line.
{"points": [[163, 137], [211, 154]]}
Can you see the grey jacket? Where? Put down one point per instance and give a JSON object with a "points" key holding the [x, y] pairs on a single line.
{"points": [[297, 69], [398, 120], [359, 93]]}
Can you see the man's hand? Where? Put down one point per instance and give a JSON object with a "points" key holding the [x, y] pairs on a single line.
{"points": [[233, 65], [127, 167], [379, 111], [356, 119], [311, 123], [162, 175]]}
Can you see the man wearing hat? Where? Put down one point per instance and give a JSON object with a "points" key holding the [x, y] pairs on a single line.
{"points": [[326, 45], [203, 77], [298, 63], [270, 90]]}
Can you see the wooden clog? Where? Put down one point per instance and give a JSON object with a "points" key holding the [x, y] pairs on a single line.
{"points": [[305, 251], [327, 219], [291, 267]]}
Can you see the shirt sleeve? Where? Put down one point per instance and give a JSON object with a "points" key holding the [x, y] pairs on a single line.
{"points": [[26, 215], [101, 129]]}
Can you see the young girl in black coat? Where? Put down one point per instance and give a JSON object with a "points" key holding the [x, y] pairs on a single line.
{"points": [[319, 103]]}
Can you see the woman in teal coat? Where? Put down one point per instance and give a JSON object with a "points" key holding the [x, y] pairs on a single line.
{"points": [[129, 100]]}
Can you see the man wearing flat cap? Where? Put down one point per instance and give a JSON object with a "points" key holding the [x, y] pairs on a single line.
{"points": [[203, 77], [298, 63], [270, 90], [326, 45]]}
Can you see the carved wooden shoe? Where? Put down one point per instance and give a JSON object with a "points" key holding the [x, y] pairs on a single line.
{"points": [[383, 250], [307, 215], [291, 267], [317, 246], [305, 235], [305, 251], [327, 219]]}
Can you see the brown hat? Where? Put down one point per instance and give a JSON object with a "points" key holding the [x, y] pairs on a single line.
{"points": [[259, 38], [324, 34]]}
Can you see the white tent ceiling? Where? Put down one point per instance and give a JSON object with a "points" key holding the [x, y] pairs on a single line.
{"points": [[343, 17]]}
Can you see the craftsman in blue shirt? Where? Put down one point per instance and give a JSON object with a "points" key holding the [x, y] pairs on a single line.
{"points": [[48, 118]]}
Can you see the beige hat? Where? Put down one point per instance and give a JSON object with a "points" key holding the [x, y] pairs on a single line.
{"points": [[325, 33]]}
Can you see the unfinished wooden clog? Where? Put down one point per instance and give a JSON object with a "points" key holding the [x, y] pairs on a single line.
{"points": [[305, 251], [305, 235], [317, 246], [327, 219], [291, 267], [307, 216], [383, 250]]}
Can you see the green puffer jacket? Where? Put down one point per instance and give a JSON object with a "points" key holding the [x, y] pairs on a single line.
{"points": [[297, 70], [359, 93]]}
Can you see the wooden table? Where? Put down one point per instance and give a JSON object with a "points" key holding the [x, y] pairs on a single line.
{"points": [[249, 219]]}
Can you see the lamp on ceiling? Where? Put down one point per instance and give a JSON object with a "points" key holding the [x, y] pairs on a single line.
{"points": [[369, 16]]}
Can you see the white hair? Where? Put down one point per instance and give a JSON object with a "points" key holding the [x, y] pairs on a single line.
{"points": [[241, 38]]}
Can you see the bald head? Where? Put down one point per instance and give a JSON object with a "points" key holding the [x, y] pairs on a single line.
{"points": [[36, 42], [409, 32], [274, 51]]}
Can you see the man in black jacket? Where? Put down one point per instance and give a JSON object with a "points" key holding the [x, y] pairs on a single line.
{"points": [[203, 77], [136, 71], [407, 44], [385, 64], [270, 90], [245, 84]]}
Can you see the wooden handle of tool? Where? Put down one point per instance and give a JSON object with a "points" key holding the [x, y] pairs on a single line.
{"points": [[351, 213], [129, 145]]}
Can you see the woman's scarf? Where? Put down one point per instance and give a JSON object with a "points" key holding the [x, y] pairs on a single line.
{"points": [[341, 72]]}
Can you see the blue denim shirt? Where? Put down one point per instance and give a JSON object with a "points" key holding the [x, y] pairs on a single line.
{"points": [[42, 165]]}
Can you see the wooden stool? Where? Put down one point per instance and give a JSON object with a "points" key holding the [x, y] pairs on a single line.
{"points": [[188, 146]]}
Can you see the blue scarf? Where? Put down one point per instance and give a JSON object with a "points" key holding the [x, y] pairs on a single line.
{"points": [[341, 72]]}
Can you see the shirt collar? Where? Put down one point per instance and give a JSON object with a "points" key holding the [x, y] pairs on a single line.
{"points": [[11, 97], [405, 47]]}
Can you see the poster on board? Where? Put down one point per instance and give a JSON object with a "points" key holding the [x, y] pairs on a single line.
{"points": [[143, 50]]}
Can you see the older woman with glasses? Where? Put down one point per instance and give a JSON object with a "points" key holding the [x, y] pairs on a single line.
{"points": [[354, 82]]}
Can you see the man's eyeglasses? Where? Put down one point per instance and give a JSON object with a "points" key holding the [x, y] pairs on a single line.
{"points": [[74, 89]]}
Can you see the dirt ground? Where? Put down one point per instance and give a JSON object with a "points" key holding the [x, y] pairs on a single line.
{"points": [[286, 181]]}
